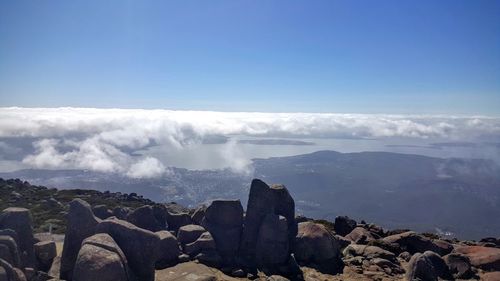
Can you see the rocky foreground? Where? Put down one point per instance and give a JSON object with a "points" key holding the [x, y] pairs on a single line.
{"points": [[124, 237]]}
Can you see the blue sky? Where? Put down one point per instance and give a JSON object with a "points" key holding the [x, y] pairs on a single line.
{"points": [[436, 57]]}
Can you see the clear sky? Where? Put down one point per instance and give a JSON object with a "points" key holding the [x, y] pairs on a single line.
{"points": [[280, 56]]}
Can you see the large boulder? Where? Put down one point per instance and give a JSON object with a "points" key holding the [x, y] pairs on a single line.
{"points": [[101, 259], [369, 252], [144, 217], [102, 211], [204, 243], [19, 220], [415, 243], [191, 271], [224, 220], [272, 243], [491, 276], [486, 258], [121, 212], [140, 246], [264, 200], [314, 244], [168, 250], [344, 225], [428, 266], [459, 265], [9, 251], [81, 224], [10, 273], [360, 235], [45, 252], [189, 233]]}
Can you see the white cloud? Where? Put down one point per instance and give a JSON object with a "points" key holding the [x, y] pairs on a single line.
{"points": [[148, 167], [102, 139]]}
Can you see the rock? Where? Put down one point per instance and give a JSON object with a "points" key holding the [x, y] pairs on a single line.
{"points": [[9, 250], [343, 242], [491, 276], [139, 245], [369, 252], [52, 202], [414, 243], [238, 273], [272, 242], [189, 233], [209, 258], [315, 244], [100, 258], [55, 268], [121, 212], [19, 220], [176, 220], [183, 258], [168, 250], [264, 200], [11, 233], [199, 214], [224, 220], [144, 217], [45, 252], [485, 258], [102, 211], [360, 235], [10, 273], [191, 271], [427, 266], [459, 266], [406, 256], [276, 278], [204, 243], [81, 224], [344, 225]]}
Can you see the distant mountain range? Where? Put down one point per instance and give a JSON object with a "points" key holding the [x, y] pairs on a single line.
{"points": [[449, 196]]}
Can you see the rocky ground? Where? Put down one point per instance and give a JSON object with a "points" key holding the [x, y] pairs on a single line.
{"points": [[113, 236]]}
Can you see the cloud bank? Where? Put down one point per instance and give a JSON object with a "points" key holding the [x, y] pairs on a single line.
{"points": [[104, 139]]}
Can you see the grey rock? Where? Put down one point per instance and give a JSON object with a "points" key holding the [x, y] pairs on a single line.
{"points": [[144, 217], [9, 250], [189, 233], [81, 224], [272, 242], [102, 211], [19, 220], [264, 200], [140, 246], [224, 220], [344, 225], [100, 258], [45, 252], [168, 250]]}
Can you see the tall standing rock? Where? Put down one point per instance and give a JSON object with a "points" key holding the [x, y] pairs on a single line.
{"points": [[264, 200], [224, 220], [272, 249], [19, 220], [81, 224], [140, 246]]}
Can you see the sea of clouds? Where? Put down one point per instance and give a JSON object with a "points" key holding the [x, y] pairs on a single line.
{"points": [[104, 139]]}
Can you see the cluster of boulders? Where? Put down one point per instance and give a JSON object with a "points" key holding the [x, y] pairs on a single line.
{"points": [[268, 241]]}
